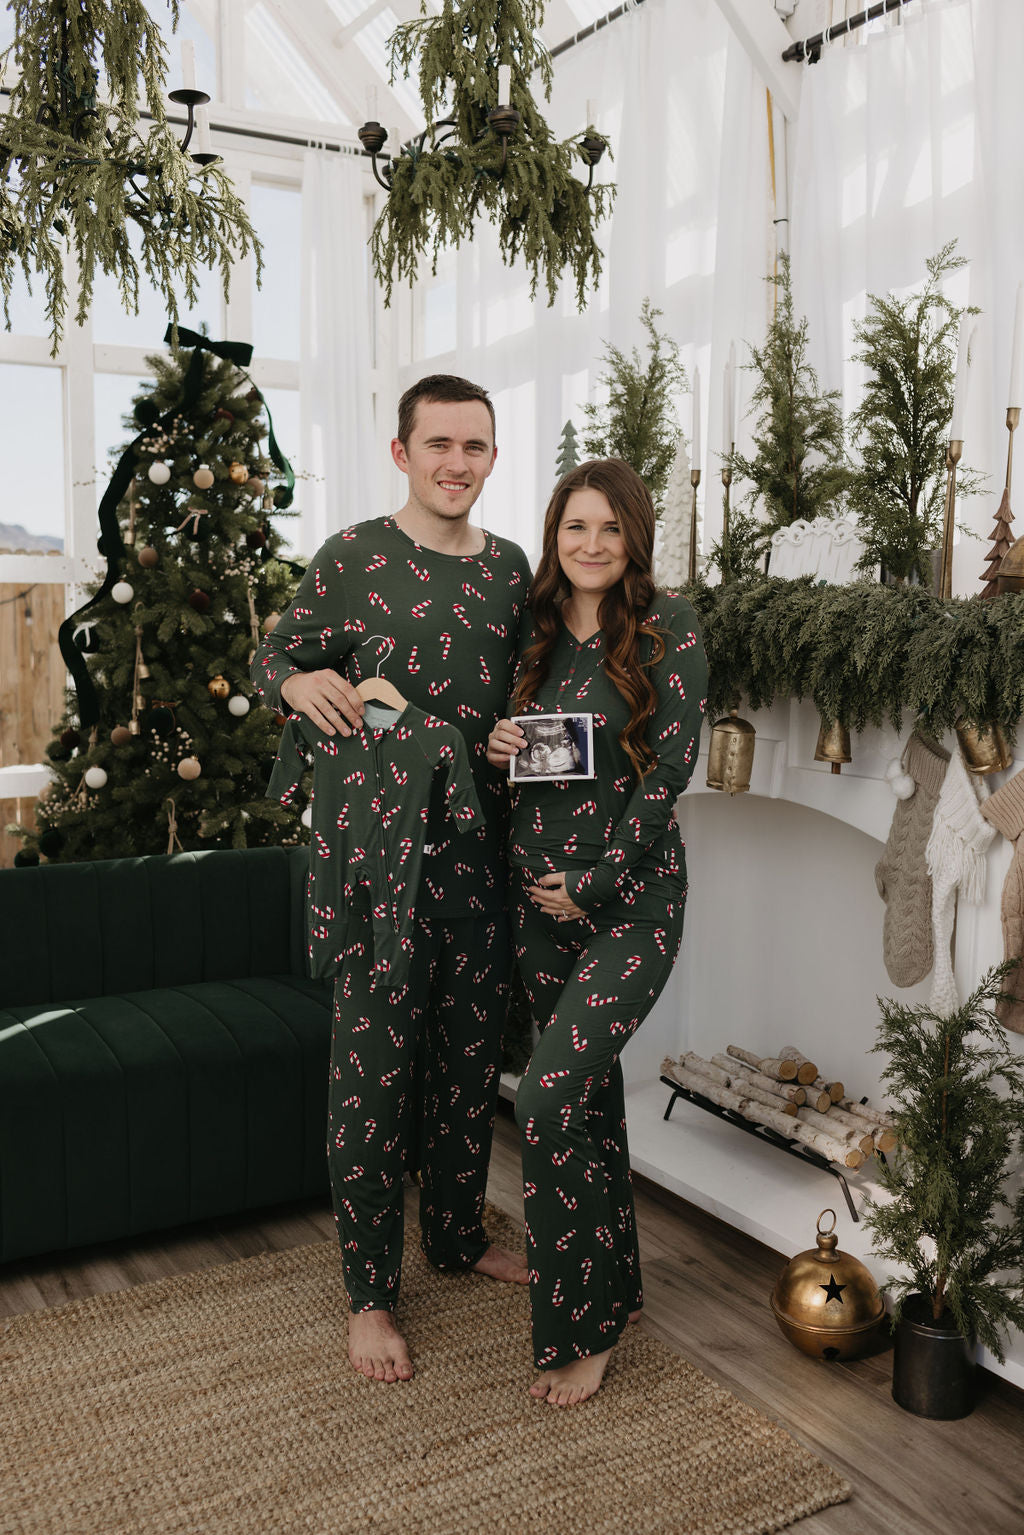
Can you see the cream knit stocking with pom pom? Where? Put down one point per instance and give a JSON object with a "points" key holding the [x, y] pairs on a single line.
{"points": [[955, 857]]}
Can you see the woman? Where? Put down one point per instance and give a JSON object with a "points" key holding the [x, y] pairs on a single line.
{"points": [[599, 884]]}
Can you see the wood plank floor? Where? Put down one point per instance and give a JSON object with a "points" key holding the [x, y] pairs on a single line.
{"points": [[707, 1290]]}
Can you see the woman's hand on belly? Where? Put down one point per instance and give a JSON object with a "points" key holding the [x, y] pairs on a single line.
{"points": [[550, 895]]}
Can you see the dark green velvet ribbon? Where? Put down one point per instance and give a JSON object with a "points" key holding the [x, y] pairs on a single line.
{"points": [[110, 543]]}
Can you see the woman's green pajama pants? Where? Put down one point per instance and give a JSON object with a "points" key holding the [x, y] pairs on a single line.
{"points": [[414, 1083], [591, 981]]}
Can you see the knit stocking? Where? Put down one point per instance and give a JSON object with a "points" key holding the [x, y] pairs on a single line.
{"points": [[900, 874], [1005, 811], [955, 856]]}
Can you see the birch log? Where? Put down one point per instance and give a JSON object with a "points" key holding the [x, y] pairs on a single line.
{"points": [[806, 1071], [791, 1092], [835, 1090], [758, 1113], [867, 1111], [854, 1122], [782, 1071], [736, 1077], [859, 1138]]}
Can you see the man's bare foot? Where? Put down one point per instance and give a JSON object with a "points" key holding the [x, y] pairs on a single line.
{"points": [[499, 1263], [376, 1347], [572, 1384]]}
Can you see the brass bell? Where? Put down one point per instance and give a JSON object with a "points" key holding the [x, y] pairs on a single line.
{"points": [[731, 754], [826, 1302], [833, 744], [1010, 577], [984, 748]]}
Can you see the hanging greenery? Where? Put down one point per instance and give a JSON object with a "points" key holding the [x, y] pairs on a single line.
{"points": [[528, 189], [865, 653], [76, 176], [637, 420], [797, 468], [901, 426]]}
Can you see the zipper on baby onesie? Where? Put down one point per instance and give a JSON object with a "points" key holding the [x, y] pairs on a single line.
{"points": [[384, 842]]}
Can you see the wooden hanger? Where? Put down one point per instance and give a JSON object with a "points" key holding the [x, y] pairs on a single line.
{"points": [[379, 687]]}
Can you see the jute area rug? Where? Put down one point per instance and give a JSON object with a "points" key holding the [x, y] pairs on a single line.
{"points": [[223, 1401]]}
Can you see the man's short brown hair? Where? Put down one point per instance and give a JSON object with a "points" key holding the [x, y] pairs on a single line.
{"points": [[438, 388]]}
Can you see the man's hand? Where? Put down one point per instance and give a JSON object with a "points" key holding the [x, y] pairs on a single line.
{"points": [[327, 699], [505, 740]]}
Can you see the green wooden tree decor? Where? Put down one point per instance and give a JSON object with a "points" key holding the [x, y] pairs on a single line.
{"points": [[797, 468], [637, 419], [77, 178], [461, 167], [568, 453], [901, 427]]}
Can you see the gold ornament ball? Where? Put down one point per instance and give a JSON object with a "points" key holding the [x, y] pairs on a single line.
{"points": [[202, 479], [148, 557], [271, 622], [218, 687], [120, 735], [238, 473], [189, 768], [255, 484]]}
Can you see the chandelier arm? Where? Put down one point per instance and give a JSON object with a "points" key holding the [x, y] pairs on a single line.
{"points": [[386, 184]]}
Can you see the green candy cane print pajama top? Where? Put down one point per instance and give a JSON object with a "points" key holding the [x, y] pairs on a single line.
{"points": [[415, 1067], [594, 979]]}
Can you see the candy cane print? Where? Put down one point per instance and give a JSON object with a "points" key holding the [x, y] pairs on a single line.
{"points": [[550, 1077], [550, 1353], [419, 609], [424, 575], [485, 675], [357, 1172], [364, 1023], [398, 1040], [354, 1060], [563, 1242], [585, 1268], [377, 563], [339, 1140], [350, 1210], [371, 1126], [414, 665], [659, 938], [604, 1235], [377, 601], [569, 1200], [446, 645], [460, 614], [392, 1143], [633, 963], [558, 1158], [579, 1044], [529, 1189], [557, 1298], [565, 1116], [389, 1076], [578, 1312], [528, 1134], [596, 1000]]}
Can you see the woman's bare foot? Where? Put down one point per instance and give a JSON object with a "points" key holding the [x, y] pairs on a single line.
{"points": [[376, 1347], [499, 1263], [634, 1316], [572, 1384]]}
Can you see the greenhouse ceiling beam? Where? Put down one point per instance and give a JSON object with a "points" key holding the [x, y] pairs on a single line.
{"points": [[764, 38], [315, 43]]}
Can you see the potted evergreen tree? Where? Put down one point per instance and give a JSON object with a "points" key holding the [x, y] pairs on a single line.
{"points": [[958, 1108]]}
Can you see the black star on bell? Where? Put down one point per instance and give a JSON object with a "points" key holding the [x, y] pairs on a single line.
{"points": [[832, 1290]]}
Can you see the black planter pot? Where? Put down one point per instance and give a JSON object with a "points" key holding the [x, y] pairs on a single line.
{"points": [[933, 1369]]}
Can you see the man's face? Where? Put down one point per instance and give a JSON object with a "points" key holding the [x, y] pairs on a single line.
{"points": [[448, 457]]}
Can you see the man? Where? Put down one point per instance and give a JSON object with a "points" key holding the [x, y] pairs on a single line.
{"points": [[435, 601]]}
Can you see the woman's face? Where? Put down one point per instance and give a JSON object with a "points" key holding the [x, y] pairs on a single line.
{"points": [[591, 550]]}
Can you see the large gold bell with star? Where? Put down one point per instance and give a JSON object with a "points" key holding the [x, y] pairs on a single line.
{"points": [[731, 754], [826, 1302]]}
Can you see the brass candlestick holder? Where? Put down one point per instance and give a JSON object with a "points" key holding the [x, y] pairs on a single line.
{"points": [[691, 568], [726, 482], [954, 449]]}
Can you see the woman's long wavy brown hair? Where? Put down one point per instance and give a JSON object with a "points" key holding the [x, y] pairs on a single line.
{"points": [[620, 615]]}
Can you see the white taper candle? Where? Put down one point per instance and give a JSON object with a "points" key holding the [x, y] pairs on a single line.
{"points": [[371, 103], [695, 429], [963, 358], [729, 401], [188, 66], [1016, 399], [203, 144], [504, 85]]}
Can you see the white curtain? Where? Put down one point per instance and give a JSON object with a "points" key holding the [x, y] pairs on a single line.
{"points": [[338, 448], [685, 114], [907, 138]]}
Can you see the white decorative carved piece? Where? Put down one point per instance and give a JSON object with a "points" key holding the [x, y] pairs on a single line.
{"points": [[827, 547]]}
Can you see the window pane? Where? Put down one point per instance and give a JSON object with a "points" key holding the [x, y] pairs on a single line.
{"points": [[113, 396], [283, 405], [276, 214], [28, 310], [113, 325], [32, 410]]}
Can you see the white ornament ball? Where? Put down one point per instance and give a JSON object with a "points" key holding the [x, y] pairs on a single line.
{"points": [[902, 786], [122, 591], [894, 769], [203, 477], [307, 816], [95, 777], [238, 705], [159, 472], [189, 768]]}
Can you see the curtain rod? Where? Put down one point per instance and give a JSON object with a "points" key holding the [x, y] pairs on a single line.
{"points": [[309, 141], [810, 48], [595, 26]]}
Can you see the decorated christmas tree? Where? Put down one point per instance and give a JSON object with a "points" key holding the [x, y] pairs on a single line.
{"points": [[159, 748], [637, 421], [797, 468]]}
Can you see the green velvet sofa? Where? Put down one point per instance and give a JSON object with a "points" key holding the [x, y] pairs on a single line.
{"points": [[163, 1056]]}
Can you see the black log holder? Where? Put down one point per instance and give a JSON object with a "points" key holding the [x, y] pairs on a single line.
{"points": [[764, 1133]]}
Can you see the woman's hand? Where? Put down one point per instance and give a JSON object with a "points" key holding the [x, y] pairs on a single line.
{"points": [[504, 742], [550, 895]]}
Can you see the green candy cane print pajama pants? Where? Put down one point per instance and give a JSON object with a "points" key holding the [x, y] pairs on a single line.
{"points": [[592, 981], [414, 1081]]}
